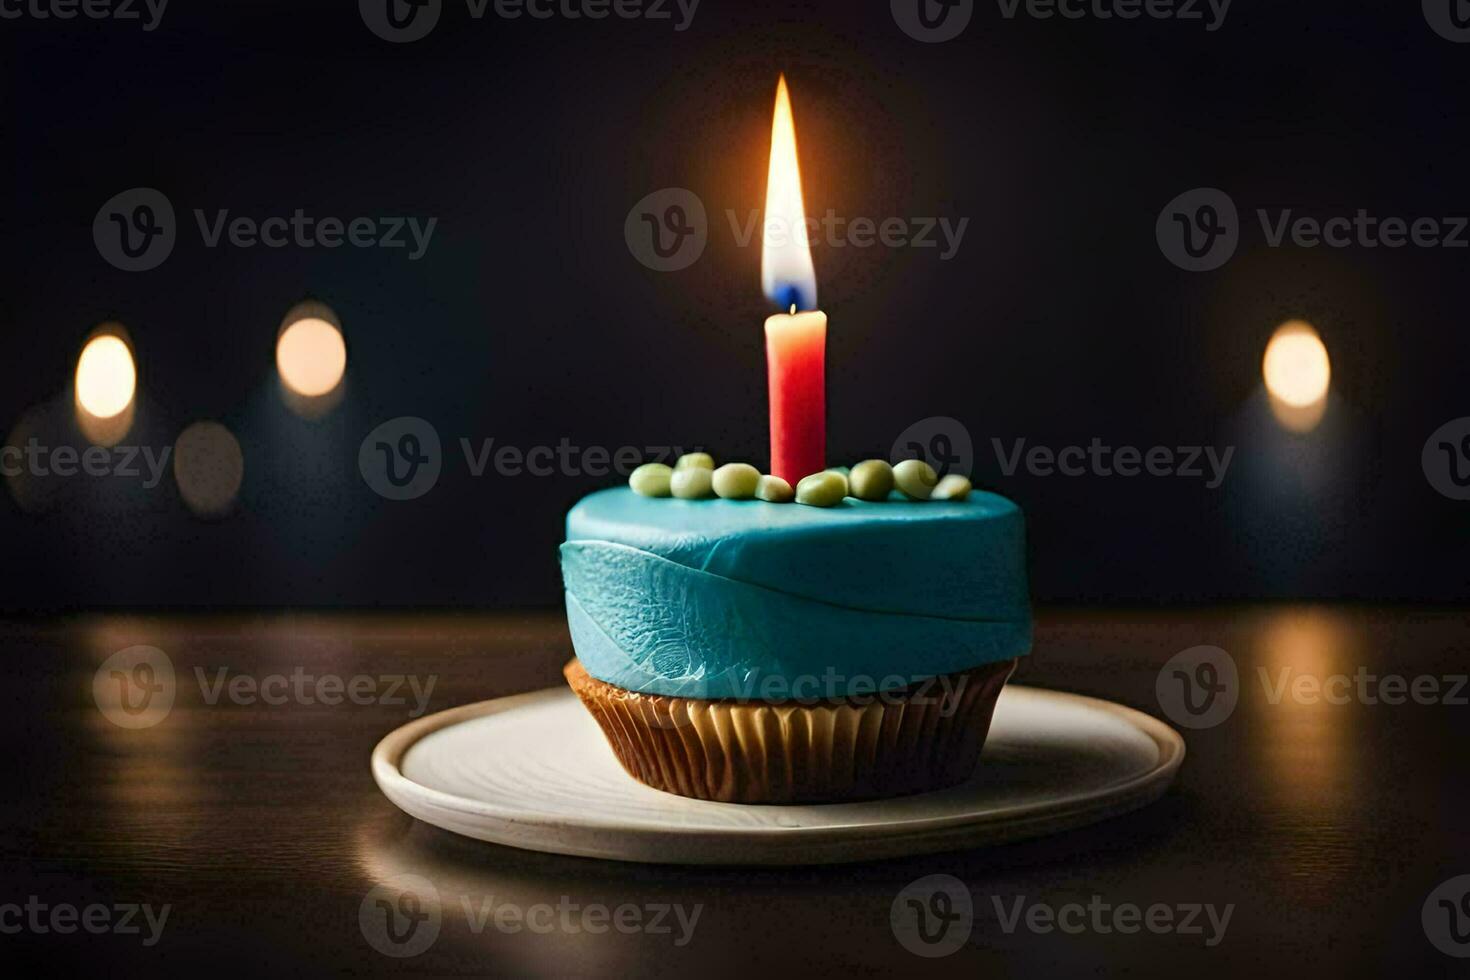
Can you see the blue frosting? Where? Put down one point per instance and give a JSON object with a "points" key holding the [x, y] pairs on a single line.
{"points": [[726, 598]]}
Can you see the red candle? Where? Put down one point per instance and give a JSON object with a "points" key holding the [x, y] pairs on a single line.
{"points": [[796, 349], [796, 342]]}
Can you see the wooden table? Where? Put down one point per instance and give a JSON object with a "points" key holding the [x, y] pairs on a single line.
{"points": [[1325, 826]]}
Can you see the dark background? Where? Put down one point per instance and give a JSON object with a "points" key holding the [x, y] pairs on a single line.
{"points": [[529, 320]]}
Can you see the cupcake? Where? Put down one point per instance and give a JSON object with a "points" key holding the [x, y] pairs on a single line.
{"points": [[745, 651]]}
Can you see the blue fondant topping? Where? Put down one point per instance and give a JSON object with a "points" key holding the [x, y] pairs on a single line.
{"points": [[747, 599]]}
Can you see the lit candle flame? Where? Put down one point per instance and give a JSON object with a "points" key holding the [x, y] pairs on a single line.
{"points": [[787, 275]]}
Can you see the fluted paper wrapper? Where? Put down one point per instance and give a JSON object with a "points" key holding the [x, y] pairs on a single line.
{"points": [[925, 737]]}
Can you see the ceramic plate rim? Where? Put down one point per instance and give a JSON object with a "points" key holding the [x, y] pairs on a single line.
{"points": [[388, 754]]}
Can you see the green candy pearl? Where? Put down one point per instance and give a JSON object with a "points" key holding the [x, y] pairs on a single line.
{"points": [[825, 489], [952, 487], [775, 490], [692, 483], [915, 478], [843, 472], [736, 481], [700, 460], [651, 480], [872, 479]]}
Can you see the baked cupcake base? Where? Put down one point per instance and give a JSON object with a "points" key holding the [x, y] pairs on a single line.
{"points": [[924, 737]]}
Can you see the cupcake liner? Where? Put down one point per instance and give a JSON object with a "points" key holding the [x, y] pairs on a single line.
{"points": [[924, 737]]}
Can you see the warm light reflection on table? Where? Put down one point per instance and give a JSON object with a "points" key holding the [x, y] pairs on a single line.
{"points": [[263, 827]]}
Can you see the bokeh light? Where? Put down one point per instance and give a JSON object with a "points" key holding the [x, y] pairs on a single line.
{"points": [[106, 378], [31, 493], [311, 356], [1298, 375], [105, 389], [209, 468], [1296, 365]]}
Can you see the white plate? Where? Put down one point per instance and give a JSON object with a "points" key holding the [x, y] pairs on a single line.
{"points": [[534, 771]]}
